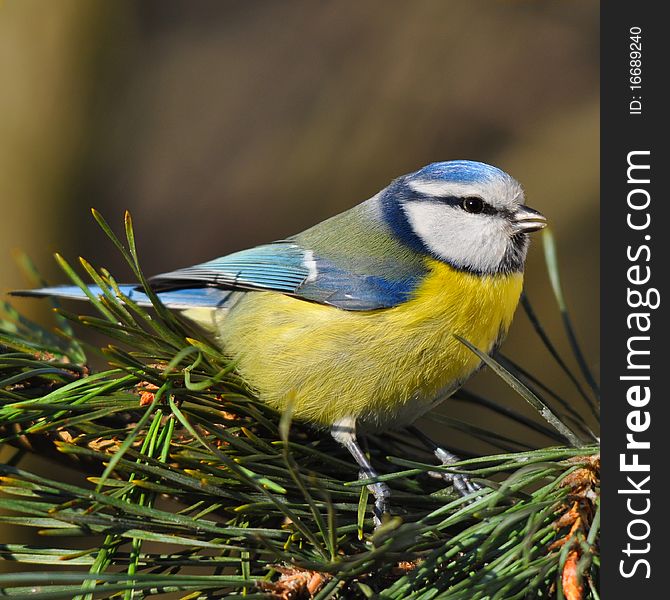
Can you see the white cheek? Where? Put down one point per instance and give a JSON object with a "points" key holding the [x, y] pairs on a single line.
{"points": [[465, 240]]}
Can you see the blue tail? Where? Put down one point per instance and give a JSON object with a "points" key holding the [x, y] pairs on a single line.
{"points": [[206, 297]]}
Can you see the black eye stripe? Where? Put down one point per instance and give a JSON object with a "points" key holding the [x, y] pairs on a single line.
{"points": [[460, 202], [457, 201]]}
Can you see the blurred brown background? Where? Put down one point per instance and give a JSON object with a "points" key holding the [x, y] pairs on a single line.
{"points": [[223, 124]]}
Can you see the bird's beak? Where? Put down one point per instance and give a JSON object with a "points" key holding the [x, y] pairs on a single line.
{"points": [[527, 219]]}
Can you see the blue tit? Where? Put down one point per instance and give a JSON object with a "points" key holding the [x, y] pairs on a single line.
{"points": [[352, 321]]}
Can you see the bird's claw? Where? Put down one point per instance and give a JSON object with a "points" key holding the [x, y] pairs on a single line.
{"points": [[460, 482], [381, 493]]}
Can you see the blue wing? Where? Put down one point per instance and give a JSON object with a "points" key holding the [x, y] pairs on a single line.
{"points": [[357, 284], [288, 268], [280, 267]]}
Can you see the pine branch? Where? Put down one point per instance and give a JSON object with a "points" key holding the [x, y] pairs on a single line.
{"points": [[189, 484]]}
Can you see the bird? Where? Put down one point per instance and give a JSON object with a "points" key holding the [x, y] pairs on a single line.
{"points": [[352, 324]]}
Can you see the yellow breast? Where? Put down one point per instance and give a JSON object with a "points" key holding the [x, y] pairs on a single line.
{"points": [[383, 367]]}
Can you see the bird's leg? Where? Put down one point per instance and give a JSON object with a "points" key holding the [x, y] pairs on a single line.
{"points": [[344, 431], [460, 482]]}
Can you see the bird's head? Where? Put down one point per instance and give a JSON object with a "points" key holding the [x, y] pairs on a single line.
{"points": [[468, 214]]}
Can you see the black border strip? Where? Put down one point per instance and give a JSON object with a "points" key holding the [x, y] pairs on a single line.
{"points": [[636, 501]]}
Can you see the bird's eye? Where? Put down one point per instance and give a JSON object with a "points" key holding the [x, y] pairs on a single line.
{"points": [[472, 204]]}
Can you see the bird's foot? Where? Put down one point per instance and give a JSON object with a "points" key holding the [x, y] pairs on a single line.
{"points": [[381, 493], [460, 482]]}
